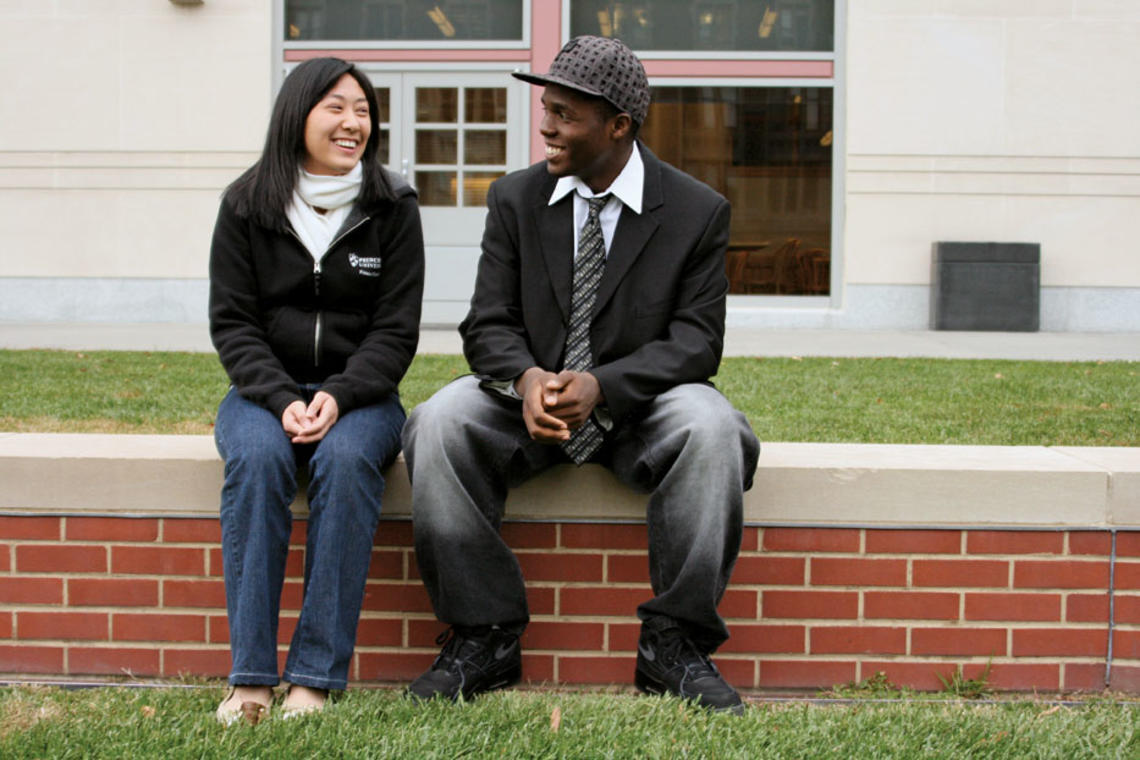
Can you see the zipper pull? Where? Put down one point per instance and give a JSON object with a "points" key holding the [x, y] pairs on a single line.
{"points": [[317, 278]]}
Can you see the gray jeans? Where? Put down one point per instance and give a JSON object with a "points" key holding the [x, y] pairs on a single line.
{"points": [[690, 449]]}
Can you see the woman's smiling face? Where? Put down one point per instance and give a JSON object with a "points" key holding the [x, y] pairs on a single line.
{"points": [[337, 129]]}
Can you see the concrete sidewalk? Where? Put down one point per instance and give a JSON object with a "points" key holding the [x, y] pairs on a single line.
{"points": [[738, 342]]}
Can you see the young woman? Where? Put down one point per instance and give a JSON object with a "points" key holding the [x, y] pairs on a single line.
{"points": [[316, 278]]}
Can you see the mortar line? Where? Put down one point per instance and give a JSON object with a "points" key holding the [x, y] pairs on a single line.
{"points": [[606, 520], [1111, 609]]}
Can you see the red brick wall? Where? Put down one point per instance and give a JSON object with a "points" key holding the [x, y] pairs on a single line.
{"points": [[808, 607]]}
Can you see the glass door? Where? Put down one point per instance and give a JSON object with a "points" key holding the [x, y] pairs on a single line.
{"points": [[451, 134], [458, 139]]}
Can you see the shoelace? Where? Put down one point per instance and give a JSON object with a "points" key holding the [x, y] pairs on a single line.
{"points": [[697, 665], [452, 654]]}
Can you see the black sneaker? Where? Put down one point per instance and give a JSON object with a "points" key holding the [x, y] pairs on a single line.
{"points": [[472, 661], [668, 662]]}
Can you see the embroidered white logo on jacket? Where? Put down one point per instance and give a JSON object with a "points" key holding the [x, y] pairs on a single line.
{"points": [[369, 266]]}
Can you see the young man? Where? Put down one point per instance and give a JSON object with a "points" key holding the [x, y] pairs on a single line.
{"points": [[597, 320]]}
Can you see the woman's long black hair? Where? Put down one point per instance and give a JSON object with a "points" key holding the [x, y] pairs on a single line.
{"points": [[266, 188]]}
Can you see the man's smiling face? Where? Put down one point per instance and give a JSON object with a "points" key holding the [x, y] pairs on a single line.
{"points": [[582, 137]]}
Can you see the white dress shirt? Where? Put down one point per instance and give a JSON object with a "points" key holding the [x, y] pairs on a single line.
{"points": [[626, 189]]}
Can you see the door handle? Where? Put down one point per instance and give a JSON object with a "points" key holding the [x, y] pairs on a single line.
{"points": [[404, 168]]}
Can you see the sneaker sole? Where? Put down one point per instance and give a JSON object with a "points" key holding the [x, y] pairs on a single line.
{"points": [[510, 678], [649, 685]]}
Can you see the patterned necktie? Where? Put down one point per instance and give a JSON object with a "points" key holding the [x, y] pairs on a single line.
{"points": [[588, 267]]}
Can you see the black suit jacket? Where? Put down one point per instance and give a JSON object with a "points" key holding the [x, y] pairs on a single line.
{"points": [[659, 315]]}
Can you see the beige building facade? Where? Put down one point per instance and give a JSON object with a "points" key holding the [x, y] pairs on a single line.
{"points": [[121, 121]]}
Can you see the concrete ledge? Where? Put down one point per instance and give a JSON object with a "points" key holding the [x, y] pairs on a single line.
{"points": [[796, 484]]}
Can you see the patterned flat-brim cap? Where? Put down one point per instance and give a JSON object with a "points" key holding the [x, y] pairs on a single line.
{"points": [[603, 67]]}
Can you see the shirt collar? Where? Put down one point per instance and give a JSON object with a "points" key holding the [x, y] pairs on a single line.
{"points": [[628, 187]]}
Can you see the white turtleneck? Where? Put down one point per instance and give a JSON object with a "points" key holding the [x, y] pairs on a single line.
{"points": [[335, 194]]}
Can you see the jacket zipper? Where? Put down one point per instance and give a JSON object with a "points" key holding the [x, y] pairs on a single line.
{"points": [[317, 323], [317, 285]]}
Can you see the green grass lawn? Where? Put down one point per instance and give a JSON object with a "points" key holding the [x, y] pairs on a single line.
{"points": [[815, 399], [48, 722]]}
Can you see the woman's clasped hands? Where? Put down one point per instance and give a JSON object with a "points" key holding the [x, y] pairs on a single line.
{"points": [[309, 424]]}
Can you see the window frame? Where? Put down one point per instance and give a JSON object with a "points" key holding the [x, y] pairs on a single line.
{"points": [[727, 55], [523, 43], [837, 183]]}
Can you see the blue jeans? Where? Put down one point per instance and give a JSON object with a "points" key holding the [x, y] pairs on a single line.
{"points": [[690, 449], [345, 488]]}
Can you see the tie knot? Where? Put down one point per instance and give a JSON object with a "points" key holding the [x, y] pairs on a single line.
{"points": [[597, 202]]}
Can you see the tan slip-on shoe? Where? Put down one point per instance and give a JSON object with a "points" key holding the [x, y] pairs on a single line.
{"points": [[295, 708], [230, 711]]}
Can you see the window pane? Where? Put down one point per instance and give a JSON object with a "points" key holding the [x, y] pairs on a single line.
{"points": [[485, 147], [806, 25], [437, 146], [486, 105], [768, 150], [437, 104], [475, 186], [383, 149], [436, 188], [422, 20], [383, 102]]}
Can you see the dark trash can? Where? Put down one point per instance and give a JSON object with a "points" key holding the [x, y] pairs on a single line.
{"points": [[986, 286]]}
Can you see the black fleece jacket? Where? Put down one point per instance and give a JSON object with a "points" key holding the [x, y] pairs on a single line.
{"points": [[350, 322]]}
